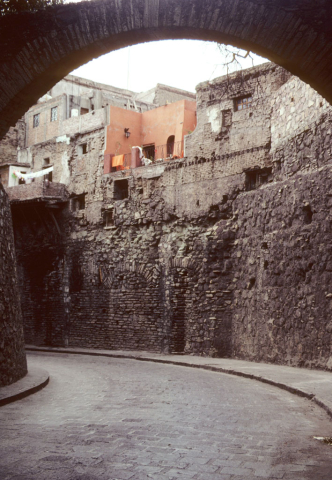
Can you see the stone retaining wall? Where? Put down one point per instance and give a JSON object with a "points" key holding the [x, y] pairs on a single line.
{"points": [[12, 356]]}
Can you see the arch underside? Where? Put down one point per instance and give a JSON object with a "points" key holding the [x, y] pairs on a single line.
{"points": [[39, 49]]}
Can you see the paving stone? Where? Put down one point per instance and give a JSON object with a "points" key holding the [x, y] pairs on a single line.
{"points": [[74, 429]]}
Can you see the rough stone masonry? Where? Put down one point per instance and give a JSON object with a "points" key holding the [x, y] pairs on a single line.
{"points": [[226, 252], [12, 357]]}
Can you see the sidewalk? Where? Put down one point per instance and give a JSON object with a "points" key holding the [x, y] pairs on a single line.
{"points": [[313, 384], [35, 380]]}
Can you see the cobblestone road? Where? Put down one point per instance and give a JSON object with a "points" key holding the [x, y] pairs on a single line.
{"points": [[114, 419]]}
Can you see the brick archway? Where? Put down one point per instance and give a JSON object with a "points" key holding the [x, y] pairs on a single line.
{"points": [[37, 50]]}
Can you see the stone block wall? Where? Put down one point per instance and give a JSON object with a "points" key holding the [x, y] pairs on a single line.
{"points": [[282, 286], [301, 130], [42, 270], [12, 356], [178, 256], [245, 275]]}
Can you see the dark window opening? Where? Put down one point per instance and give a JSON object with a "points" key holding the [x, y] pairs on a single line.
{"points": [[109, 218], [307, 217], [21, 181], [170, 145], [120, 189], [48, 176], [149, 151], [47, 164], [54, 114], [243, 103], [179, 311], [36, 120], [78, 203], [83, 149], [84, 111], [256, 178]]}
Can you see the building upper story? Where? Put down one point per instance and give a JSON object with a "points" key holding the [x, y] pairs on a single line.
{"points": [[54, 130], [253, 127]]}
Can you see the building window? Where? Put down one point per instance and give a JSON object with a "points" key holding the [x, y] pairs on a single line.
{"points": [[120, 189], [21, 181], [54, 114], [84, 111], [149, 151], [256, 178], [36, 119], [78, 203], [47, 164], [83, 149], [109, 218], [243, 103]]}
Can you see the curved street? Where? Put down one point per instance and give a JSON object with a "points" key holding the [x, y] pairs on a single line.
{"points": [[120, 419]]}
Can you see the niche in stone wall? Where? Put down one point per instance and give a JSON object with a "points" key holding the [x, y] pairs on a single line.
{"points": [[179, 309]]}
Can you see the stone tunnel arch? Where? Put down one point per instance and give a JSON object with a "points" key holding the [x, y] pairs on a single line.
{"points": [[39, 49]]}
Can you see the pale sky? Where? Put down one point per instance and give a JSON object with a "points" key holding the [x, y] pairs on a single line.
{"points": [[177, 63]]}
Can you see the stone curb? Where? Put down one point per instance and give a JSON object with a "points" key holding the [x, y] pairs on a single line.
{"points": [[35, 380], [145, 358]]}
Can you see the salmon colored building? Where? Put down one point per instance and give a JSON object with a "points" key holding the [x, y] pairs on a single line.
{"points": [[160, 132]]}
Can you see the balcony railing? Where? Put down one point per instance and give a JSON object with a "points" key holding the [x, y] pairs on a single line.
{"points": [[169, 151], [155, 154]]}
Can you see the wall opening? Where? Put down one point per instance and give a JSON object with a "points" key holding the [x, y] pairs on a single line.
{"points": [[170, 145], [109, 218], [121, 189], [149, 151], [83, 149], [78, 202], [179, 310], [257, 177]]}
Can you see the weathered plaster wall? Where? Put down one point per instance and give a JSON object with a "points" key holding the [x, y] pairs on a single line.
{"points": [[12, 356], [152, 127], [160, 123], [116, 141], [12, 141], [221, 129]]}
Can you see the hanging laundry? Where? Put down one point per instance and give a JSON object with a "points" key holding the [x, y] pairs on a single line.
{"points": [[117, 161], [140, 151], [26, 176]]}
